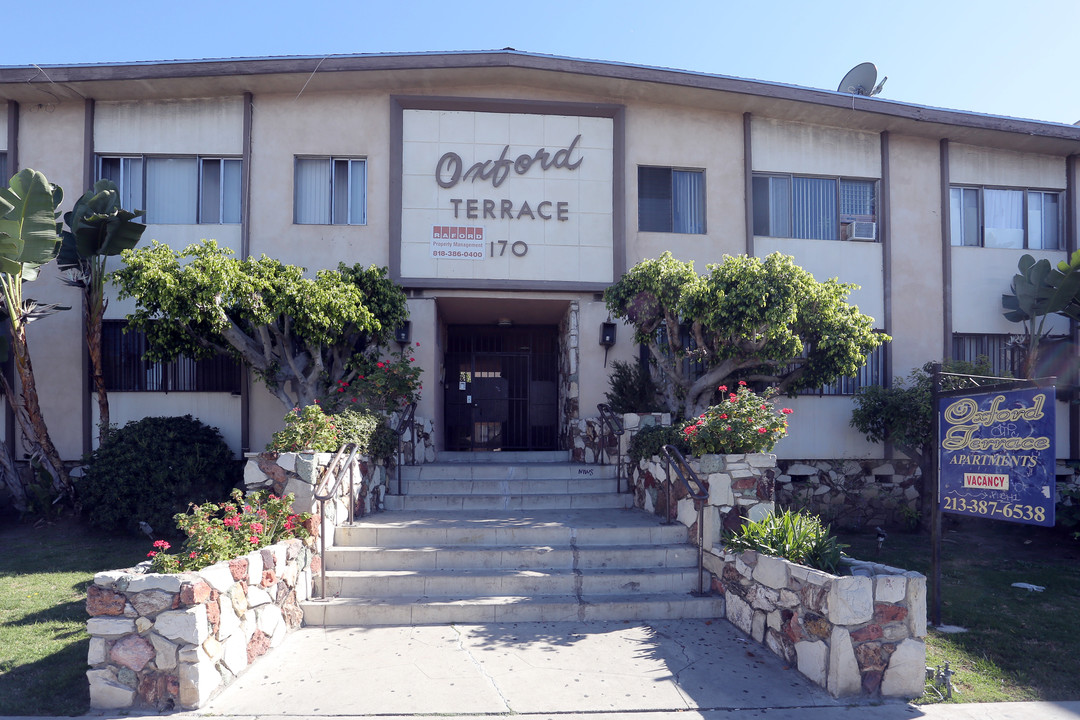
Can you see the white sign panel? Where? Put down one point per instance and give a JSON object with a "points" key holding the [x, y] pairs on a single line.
{"points": [[522, 197]]}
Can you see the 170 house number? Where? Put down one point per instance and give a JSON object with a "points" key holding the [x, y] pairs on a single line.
{"points": [[519, 248]]}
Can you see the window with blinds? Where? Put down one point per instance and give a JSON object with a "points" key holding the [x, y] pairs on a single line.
{"points": [[671, 200], [1006, 218], [814, 208], [176, 190], [330, 191]]}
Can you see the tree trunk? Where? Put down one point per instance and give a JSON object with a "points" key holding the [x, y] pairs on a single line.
{"points": [[40, 438], [94, 317]]}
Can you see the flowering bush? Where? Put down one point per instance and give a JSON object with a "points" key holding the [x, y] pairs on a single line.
{"points": [[743, 422], [230, 530], [306, 428], [380, 383]]}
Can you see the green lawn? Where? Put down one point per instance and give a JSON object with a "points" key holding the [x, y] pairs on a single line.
{"points": [[1019, 645], [44, 573]]}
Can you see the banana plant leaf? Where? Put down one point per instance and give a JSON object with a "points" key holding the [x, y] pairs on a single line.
{"points": [[29, 232], [98, 226]]}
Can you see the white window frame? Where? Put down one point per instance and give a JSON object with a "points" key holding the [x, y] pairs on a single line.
{"points": [[779, 219], [979, 237], [336, 205], [133, 190]]}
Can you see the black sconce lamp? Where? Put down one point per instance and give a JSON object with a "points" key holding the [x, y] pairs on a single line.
{"points": [[607, 337], [401, 334]]}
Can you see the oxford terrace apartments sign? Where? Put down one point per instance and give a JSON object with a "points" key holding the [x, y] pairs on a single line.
{"points": [[517, 197]]}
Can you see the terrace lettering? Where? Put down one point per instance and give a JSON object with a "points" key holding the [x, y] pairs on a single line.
{"points": [[965, 418]]}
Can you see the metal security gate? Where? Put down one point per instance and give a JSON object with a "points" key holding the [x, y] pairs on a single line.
{"points": [[501, 388]]}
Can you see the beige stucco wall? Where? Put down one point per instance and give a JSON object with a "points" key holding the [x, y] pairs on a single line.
{"points": [[52, 142], [979, 278], [914, 252], [688, 138], [849, 262], [797, 148], [970, 165], [820, 427], [197, 126], [353, 125], [220, 410]]}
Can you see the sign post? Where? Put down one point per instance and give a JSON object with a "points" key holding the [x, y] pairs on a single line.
{"points": [[995, 457]]}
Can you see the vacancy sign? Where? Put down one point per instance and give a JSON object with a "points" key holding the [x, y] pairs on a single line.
{"points": [[997, 455]]}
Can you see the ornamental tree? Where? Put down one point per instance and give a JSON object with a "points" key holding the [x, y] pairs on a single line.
{"points": [[98, 228], [1038, 291], [299, 334], [760, 320], [29, 238], [903, 413]]}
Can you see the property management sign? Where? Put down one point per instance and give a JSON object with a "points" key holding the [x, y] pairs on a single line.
{"points": [[506, 196], [997, 455]]}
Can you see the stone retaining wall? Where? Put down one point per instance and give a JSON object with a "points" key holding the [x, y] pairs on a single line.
{"points": [[740, 486], [167, 642], [858, 634], [854, 494]]}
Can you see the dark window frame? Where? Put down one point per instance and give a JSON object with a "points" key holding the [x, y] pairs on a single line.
{"points": [[842, 225], [656, 211], [200, 201], [126, 369], [980, 230]]}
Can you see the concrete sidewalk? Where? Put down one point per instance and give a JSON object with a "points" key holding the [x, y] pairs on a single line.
{"points": [[645, 670]]}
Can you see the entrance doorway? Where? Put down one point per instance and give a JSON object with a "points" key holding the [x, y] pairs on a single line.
{"points": [[501, 387]]}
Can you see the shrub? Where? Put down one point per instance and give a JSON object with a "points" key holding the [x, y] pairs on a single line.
{"points": [[649, 439], [632, 389], [743, 422], [151, 469], [371, 431], [380, 383], [230, 530], [794, 536], [307, 428]]}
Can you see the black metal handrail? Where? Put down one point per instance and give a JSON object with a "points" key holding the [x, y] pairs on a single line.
{"points": [[674, 459], [324, 490], [406, 421], [609, 421]]}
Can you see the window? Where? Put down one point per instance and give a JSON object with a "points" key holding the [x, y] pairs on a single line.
{"points": [[814, 208], [177, 190], [671, 200], [3, 168], [995, 217], [126, 370], [872, 373], [1004, 352], [330, 191]]}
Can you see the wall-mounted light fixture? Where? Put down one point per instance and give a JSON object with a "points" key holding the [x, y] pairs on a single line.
{"points": [[401, 334], [607, 337]]}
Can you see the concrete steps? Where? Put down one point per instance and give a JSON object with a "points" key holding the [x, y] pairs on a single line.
{"points": [[530, 538]]}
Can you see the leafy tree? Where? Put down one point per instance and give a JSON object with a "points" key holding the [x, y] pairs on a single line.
{"points": [[764, 320], [1038, 291], [903, 414], [29, 238], [98, 228], [298, 333]]}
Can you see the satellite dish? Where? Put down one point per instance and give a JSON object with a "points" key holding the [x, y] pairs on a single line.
{"points": [[860, 81]]}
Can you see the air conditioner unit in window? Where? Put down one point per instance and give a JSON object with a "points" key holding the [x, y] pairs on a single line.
{"points": [[861, 230]]}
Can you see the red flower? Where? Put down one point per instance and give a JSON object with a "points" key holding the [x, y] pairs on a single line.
{"points": [[354, 399], [152, 553], [192, 554], [162, 544], [762, 430], [728, 428], [412, 359], [257, 527], [417, 344], [722, 388], [787, 411], [764, 407], [253, 540], [723, 416], [379, 364], [742, 382]]}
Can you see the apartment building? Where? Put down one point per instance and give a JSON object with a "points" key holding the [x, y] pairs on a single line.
{"points": [[505, 190]]}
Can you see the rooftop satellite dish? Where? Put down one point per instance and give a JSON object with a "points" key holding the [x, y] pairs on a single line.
{"points": [[860, 81]]}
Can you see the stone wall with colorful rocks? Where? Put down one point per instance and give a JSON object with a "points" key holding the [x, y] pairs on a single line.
{"points": [[170, 642], [586, 438], [297, 473], [852, 494], [857, 634], [740, 486]]}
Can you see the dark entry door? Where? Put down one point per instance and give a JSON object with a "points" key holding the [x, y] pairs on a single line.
{"points": [[501, 388]]}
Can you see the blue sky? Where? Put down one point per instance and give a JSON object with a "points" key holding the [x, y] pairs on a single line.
{"points": [[1005, 58]]}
